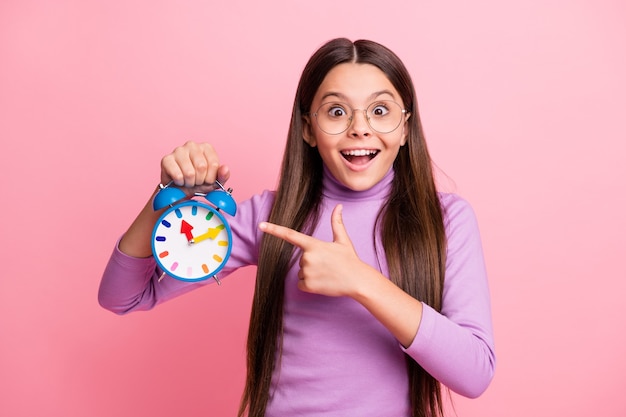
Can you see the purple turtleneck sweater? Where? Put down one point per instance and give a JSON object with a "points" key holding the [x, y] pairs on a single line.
{"points": [[337, 359]]}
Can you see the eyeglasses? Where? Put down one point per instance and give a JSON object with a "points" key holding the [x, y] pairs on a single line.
{"points": [[383, 116]]}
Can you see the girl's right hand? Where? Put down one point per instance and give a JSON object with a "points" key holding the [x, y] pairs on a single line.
{"points": [[194, 166]]}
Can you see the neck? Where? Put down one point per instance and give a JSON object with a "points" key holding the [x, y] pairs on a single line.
{"points": [[334, 189]]}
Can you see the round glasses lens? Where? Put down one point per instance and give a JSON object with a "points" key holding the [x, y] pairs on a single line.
{"points": [[333, 118], [383, 116]]}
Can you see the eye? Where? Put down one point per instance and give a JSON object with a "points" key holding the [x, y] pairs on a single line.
{"points": [[336, 111], [379, 109]]}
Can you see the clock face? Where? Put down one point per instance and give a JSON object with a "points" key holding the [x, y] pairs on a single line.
{"points": [[191, 241]]}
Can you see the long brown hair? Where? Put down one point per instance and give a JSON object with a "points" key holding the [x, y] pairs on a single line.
{"points": [[411, 223]]}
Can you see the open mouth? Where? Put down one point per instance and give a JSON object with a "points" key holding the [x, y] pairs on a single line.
{"points": [[359, 156]]}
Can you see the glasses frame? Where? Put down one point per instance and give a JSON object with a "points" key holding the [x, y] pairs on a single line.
{"points": [[353, 111]]}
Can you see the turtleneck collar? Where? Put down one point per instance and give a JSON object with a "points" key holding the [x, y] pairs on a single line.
{"points": [[332, 188]]}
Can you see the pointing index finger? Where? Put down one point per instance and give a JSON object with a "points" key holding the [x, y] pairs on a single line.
{"points": [[289, 235]]}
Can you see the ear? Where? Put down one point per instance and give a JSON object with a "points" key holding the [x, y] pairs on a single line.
{"points": [[307, 131], [405, 130]]}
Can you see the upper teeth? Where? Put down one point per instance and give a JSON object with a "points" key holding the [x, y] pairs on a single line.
{"points": [[359, 152]]}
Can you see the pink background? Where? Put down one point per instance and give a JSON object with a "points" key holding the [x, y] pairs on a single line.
{"points": [[524, 107]]}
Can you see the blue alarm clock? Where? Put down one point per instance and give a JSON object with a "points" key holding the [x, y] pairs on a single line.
{"points": [[192, 239]]}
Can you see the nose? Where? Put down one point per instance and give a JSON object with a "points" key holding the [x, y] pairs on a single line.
{"points": [[359, 127]]}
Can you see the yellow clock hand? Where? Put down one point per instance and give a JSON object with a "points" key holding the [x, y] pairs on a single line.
{"points": [[210, 234]]}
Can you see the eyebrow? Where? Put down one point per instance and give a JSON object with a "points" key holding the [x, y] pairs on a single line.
{"points": [[371, 97]]}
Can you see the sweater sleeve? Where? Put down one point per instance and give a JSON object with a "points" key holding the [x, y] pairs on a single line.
{"points": [[132, 284], [456, 346]]}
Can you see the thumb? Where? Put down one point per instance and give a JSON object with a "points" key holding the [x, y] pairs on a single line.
{"points": [[340, 235], [223, 174]]}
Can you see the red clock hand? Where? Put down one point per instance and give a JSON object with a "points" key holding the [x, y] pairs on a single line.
{"points": [[186, 229]]}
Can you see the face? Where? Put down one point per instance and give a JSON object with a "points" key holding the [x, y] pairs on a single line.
{"points": [[360, 156]]}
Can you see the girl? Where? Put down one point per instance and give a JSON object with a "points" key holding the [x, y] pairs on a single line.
{"points": [[371, 288]]}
